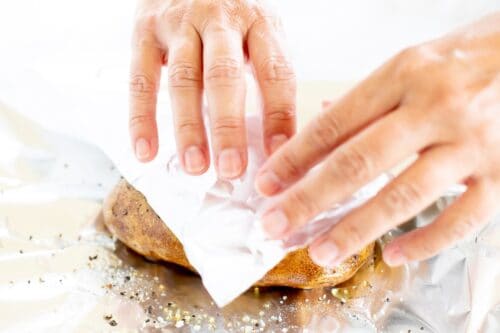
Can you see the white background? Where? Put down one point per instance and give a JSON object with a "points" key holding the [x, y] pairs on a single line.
{"points": [[68, 41]]}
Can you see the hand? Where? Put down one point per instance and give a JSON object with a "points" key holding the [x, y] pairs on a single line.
{"points": [[204, 44], [440, 100]]}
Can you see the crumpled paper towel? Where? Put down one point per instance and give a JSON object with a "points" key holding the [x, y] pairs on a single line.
{"points": [[217, 221]]}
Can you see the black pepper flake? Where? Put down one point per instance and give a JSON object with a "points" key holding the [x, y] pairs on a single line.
{"points": [[342, 302], [387, 300], [169, 304], [60, 235], [29, 281], [421, 328], [131, 297], [21, 251], [153, 294], [31, 237], [108, 317], [41, 280], [127, 278], [122, 293], [93, 257], [150, 309], [113, 322], [147, 320], [136, 294]]}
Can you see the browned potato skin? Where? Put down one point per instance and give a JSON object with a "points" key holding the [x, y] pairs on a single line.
{"points": [[133, 221]]}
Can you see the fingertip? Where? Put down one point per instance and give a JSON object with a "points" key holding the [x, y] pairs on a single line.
{"points": [[324, 253], [393, 255], [267, 183], [231, 163], [195, 161], [142, 149]]}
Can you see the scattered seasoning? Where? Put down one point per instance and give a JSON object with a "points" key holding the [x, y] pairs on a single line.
{"points": [[29, 281], [122, 293], [387, 300], [31, 237], [147, 320], [108, 317], [150, 309], [113, 322], [21, 251], [127, 278], [421, 328], [93, 257]]}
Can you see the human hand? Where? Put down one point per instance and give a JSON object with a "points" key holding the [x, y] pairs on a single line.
{"points": [[440, 100], [205, 45]]}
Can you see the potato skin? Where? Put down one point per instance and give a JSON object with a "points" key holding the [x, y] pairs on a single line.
{"points": [[130, 218]]}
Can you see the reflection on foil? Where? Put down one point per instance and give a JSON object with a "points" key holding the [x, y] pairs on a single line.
{"points": [[63, 272]]}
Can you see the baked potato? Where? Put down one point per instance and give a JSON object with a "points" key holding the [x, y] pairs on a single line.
{"points": [[130, 218]]}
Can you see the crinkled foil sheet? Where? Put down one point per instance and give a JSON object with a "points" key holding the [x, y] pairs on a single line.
{"points": [[61, 271]]}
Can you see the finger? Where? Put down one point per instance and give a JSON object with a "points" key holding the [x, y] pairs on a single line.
{"points": [[352, 165], [467, 214], [225, 89], [185, 86], [412, 191], [276, 81], [147, 58], [351, 113]]}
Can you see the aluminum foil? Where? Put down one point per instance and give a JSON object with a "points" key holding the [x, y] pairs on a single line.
{"points": [[61, 271]]}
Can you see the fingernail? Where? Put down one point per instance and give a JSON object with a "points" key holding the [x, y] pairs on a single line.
{"points": [[276, 141], [229, 163], [194, 160], [275, 223], [142, 149], [393, 256], [325, 254], [267, 183]]}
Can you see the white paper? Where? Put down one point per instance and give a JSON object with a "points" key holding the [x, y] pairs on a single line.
{"points": [[217, 221]]}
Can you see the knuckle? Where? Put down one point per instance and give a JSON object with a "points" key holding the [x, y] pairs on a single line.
{"points": [[140, 120], [399, 199], [227, 126], [462, 227], [352, 166], [188, 126], [302, 203], [223, 71], [184, 74], [413, 59], [144, 23], [277, 70], [280, 112], [142, 87], [288, 165], [326, 131]]}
